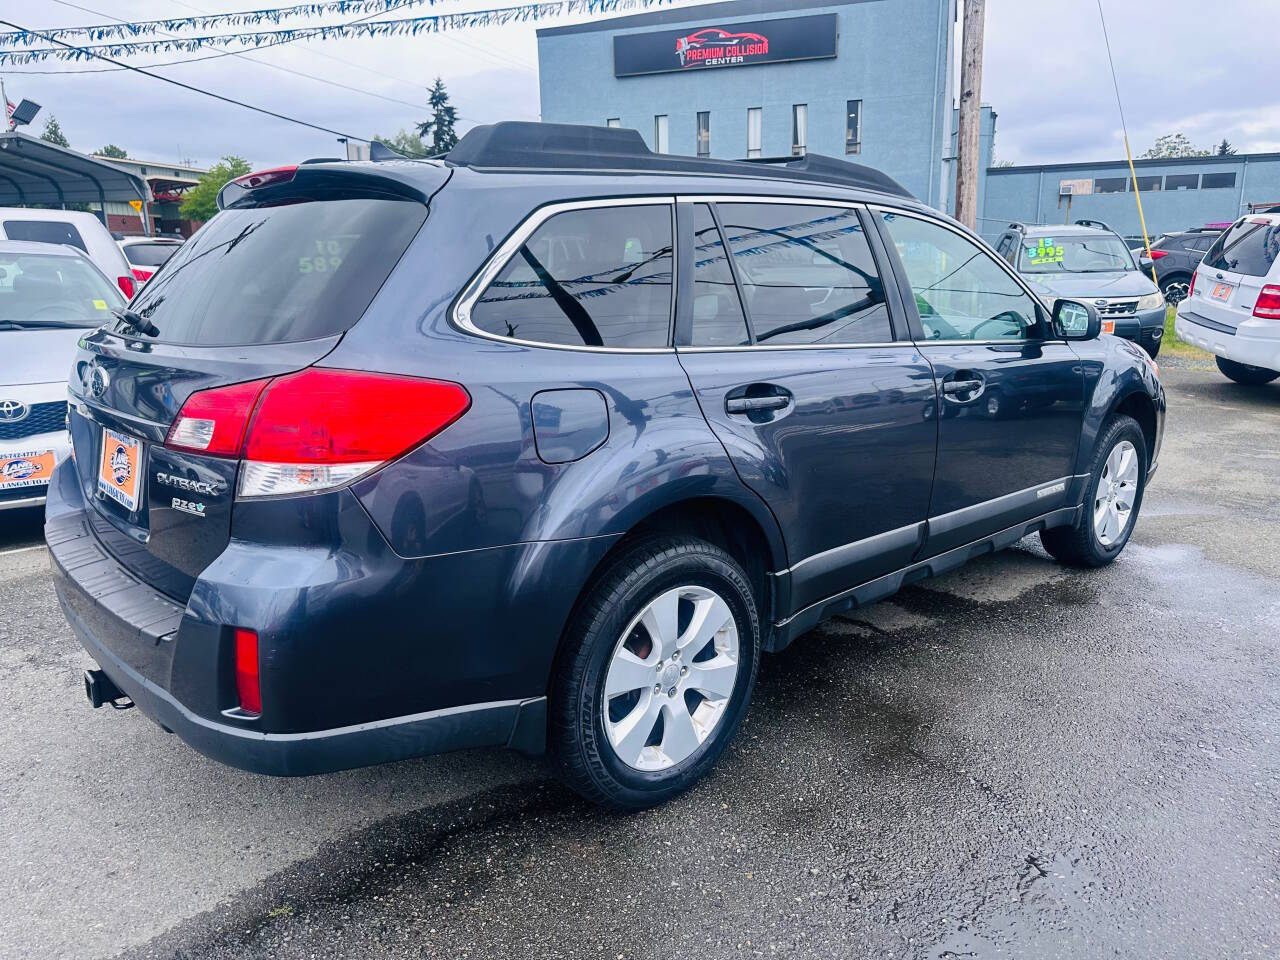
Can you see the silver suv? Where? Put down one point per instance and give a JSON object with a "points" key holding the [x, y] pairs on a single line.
{"points": [[1087, 260]]}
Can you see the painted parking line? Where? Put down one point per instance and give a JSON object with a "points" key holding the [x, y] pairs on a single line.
{"points": [[38, 546]]}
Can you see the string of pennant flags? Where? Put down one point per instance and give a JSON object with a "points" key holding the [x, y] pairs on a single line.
{"points": [[406, 26]]}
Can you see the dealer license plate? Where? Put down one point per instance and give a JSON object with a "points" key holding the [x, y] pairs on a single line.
{"points": [[25, 468], [119, 468], [1222, 291]]}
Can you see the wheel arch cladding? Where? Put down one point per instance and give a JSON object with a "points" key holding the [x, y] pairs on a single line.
{"points": [[726, 523]]}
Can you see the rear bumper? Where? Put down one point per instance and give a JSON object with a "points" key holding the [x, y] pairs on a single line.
{"points": [[168, 659], [1252, 342]]}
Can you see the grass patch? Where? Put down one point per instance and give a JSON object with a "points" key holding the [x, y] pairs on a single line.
{"points": [[1172, 344]]}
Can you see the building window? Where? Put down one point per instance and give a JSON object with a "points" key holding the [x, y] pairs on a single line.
{"points": [[799, 129], [853, 126], [1148, 184], [1215, 181], [755, 131], [1182, 181], [1110, 184], [661, 129], [704, 133], [614, 122]]}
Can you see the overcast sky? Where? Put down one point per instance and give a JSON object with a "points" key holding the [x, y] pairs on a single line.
{"points": [[1183, 65]]}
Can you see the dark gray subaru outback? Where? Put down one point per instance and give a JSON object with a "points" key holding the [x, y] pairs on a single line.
{"points": [[541, 445]]}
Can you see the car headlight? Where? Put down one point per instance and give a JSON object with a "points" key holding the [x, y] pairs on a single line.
{"points": [[1152, 301]]}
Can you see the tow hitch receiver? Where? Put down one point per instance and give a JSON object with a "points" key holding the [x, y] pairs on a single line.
{"points": [[100, 689]]}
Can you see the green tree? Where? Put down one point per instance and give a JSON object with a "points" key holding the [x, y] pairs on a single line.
{"points": [[114, 152], [1173, 145], [201, 202], [406, 142], [53, 133], [443, 117], [1225, 149]]}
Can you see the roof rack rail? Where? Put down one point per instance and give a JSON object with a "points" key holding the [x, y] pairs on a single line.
{"points": [[563, 146], [1094, 223]]}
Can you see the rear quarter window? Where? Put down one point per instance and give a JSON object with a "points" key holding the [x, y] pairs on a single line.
{"points": [[1249, 247], [44, 231], [300, 271]]}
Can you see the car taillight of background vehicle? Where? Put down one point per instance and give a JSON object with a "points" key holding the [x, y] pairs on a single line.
{"points": [[142, 276], [1157, 254], [316, 429], [1268, 305], [127, 286], [1192, 289]]}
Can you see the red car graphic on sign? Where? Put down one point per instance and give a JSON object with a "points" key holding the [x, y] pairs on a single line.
{"points": [[715, 37]]}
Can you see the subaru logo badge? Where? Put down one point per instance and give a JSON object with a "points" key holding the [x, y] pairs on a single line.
{"points": [[1099, 303], [11, 411]]}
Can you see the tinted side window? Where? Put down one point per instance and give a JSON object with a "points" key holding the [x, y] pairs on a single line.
{"points": [[598, 277], [44, 231], [807, 273], [717, 312], [961, 292], [1250, 247]]}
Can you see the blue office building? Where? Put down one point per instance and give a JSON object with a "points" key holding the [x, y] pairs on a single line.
{"points": [[1176, 193], [870, 80]]}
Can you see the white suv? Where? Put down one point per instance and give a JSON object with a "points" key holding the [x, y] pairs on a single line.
{"points": [[1233, 309]]}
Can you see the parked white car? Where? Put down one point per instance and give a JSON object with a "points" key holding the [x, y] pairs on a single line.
{"points": [[49, 297], [78, 229], [1233, 309], [146, 255]]}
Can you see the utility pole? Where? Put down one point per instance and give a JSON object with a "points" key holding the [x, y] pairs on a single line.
{"points": [[969, 128]]}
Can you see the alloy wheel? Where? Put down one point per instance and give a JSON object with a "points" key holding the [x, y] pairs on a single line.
{"points": [[670, 678], [1116, 493]]}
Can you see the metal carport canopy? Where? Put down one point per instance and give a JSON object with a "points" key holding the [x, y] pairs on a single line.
{"points": [[35, 172]]}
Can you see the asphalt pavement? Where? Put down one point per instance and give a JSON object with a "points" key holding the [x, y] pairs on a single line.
{"points": [[1013, 760]]}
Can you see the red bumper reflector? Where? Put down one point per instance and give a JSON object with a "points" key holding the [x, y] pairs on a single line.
{"points": [[247, 685]]}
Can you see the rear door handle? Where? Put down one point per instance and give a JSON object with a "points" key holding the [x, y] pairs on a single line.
{"points": [[751, 404]]}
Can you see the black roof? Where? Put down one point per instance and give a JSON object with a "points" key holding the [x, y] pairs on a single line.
{"points": [[565, 147]]}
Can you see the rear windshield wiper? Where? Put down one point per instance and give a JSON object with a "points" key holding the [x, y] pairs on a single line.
{"points": [[41, 324], [136, 321]]}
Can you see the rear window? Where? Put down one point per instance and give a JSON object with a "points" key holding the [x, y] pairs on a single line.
{"points": [[150, 254], [44, 231], [276, 274], [1249, 247], [39, 290]]}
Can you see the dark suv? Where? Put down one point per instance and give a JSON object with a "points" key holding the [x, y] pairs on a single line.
{"points": [[1176, 257], [543, 444]]}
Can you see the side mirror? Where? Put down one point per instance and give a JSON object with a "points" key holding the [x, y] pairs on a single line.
{"points": [[1145, 264], [1073, 320]]}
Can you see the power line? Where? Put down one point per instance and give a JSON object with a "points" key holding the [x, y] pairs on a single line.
{"points": [[246, 57], [193, 89]]}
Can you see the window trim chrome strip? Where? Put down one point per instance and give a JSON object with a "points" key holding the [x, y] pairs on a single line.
{"points": [[460, 314]]}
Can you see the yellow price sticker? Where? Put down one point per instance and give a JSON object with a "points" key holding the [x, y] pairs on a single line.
{"points": [[99, 304]]}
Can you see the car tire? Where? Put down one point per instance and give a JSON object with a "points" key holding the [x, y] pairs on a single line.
{"points": [[1095, 540], [597, 737], [1175, 288], [1245, 373]]}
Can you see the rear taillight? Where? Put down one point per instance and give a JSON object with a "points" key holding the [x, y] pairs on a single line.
{"points": [[1157, 254], [142, 276], [126, 286], [315, 429], [214, 421], [322, 428], [248, 684], [1192, 289], [266, 178], [1268, 305]]}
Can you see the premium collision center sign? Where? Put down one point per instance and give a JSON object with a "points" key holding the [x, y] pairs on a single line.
{"points": [[734, 44]]}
